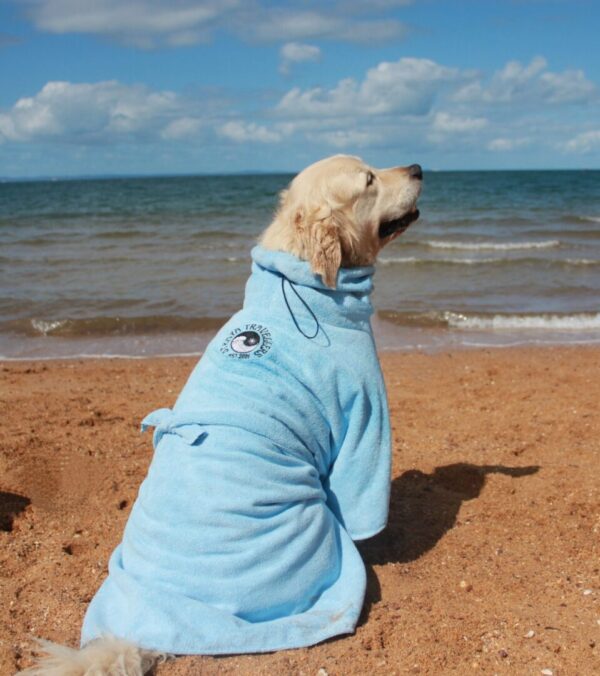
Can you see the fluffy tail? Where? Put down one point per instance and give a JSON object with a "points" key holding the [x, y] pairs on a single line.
{"points": [[105, 656]]}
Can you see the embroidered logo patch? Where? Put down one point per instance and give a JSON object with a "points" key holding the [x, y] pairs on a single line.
{"points": [[249, 341]]}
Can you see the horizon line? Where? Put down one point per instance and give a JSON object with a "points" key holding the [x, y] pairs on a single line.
{"points": [[244, 172]]}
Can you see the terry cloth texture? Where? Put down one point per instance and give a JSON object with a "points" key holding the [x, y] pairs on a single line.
{"points": [[275, 457]]}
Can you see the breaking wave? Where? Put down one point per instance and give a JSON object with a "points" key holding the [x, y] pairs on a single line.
{"points": [[413, 260], [582, 321], [492, 246], [552, 322], [112, 326]]}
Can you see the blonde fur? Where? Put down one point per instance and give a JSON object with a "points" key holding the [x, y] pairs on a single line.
{"points": [[107, 656], [331, 212]]}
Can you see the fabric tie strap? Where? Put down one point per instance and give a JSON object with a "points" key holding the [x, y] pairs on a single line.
{"points": [[165, 421], [306, 305]]}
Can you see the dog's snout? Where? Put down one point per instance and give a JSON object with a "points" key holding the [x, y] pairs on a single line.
{"points": [[415, 171]]}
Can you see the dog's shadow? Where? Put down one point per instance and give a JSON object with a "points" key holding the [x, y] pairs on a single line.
{"points": [[423, 508]]}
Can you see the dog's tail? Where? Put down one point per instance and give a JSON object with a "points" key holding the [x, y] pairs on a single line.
{"points": [[107, 656]]}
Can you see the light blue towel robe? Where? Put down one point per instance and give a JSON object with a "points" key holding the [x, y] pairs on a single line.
{"points": [[275, 457]]}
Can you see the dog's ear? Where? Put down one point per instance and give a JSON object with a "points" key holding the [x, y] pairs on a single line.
{"points": [[326, 248], [319, 233]]}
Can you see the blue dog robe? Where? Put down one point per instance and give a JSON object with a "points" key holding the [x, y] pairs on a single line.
{"points": [[275, 457]]}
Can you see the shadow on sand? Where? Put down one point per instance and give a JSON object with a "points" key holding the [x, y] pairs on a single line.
{"points": [[423, 508]]}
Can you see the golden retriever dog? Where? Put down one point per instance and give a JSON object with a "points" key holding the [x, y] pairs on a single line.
{"points": [[340, 212], [276, 456]]}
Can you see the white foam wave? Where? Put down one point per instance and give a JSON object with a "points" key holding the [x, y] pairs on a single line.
{"points": [[496, 246], [400, 259], [592, 219], [412, 260], [575, 322], [45, 327], [582, 261]]}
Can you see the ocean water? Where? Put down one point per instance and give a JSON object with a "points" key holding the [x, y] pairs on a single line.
{"points": [[155, 265]]}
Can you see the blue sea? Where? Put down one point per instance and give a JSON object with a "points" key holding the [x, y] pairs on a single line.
{"points": [[148, 266]]}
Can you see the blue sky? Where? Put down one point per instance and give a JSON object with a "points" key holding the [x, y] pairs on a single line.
{"points": [[184, 86]]}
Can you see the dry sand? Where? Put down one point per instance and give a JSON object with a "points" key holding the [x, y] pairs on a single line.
{"points": [[490, 563]]}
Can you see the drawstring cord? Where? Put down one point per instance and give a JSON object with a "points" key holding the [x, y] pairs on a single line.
{"points": [[283, 281]]}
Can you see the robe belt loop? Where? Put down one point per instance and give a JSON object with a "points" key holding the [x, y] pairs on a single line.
{"points": [[165, 421]]}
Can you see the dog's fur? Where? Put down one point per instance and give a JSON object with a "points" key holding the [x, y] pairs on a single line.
{"points": [[332, 215], [332, 211]]}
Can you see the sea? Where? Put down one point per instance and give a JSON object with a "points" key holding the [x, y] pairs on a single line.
{"points": [[154, 266]]}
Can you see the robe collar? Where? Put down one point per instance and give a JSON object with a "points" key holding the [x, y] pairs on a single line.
{"points": [[348, 305]]}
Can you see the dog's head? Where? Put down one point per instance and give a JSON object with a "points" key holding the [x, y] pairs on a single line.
{"points": [[340, 212]]}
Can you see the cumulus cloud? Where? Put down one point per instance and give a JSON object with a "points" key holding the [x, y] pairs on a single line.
{"points": [[445, 123], [413, 103], [181, 128], [142, 23], [151, 23], [418, 100], [346, 138], [445, 126], [585, 142], [243, 132], [530, 83], [277, 24], [296, 52], [507, 144], [405, 87], [89, 113]]}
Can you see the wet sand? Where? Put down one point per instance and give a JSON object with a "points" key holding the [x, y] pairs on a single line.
{"points": [[490, 562]]}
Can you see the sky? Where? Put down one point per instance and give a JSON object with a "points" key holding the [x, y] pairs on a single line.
{"points": [[96, 87]]}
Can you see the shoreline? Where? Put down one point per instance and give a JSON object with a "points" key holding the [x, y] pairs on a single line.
{"points": [[389, 337], [448, 349], [489, 560]]}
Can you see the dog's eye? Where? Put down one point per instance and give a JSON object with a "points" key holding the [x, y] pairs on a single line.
{"points": [[370, 178]]}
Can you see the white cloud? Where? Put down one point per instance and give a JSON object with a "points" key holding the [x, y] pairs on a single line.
{"points": [[571, 86], [296, 52], [142, 23], [184, 127], [346, 138], [531, 83], [405, 87], [278, 24], [243, 132], [97, 112], [410, 104], [507, 144], [151, 23], [445, 123], [585, 142]]}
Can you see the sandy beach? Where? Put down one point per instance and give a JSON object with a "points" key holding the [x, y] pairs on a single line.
{"points": [[490, 562]]}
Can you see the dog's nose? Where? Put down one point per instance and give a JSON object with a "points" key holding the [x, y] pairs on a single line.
{"points": [[415, 171]]}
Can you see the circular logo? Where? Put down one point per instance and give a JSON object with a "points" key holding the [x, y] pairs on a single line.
{"points": [[249, 341], [245, 342]]}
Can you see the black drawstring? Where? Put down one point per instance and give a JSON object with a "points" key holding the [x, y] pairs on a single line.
{"points": [[283, 281]]}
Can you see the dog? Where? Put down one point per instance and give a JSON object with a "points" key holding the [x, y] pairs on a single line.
{"points": [[276, 456]]}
